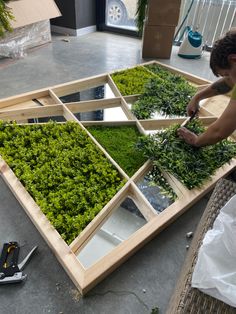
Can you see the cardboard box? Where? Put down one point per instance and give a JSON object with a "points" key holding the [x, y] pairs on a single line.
{"points": [[31, 27], [163, 12], [157, 41], [30, 11], [21, 39]]}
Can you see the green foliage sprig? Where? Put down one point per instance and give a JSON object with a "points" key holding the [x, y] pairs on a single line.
{"points": [[64, 171], [163, 73], [156, 178], [192, 166], [132, 81], [167, 94], [120, 142], [5, 17], [161, 90]]}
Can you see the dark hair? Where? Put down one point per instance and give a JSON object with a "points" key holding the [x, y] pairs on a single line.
{"points": [[221, 49]]}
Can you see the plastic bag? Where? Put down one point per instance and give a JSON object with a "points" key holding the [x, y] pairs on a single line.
{"points": [[15, 44], [215, 270]]}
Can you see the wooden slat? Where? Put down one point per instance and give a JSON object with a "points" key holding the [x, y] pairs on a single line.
{"points": [[141, 202], [47, 100], [92, 105], [55, 98], [30, 113], [24, 105], [69, 116], [79, 85], [23, 98], [109, 123], [113, 87], [155, 124], [126, 110], [131, 99]]}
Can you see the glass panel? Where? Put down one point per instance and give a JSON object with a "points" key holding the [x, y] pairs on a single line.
{"points": [[108, 114], [159, 194], [99, 92], [158, 115], [114, 114], [47, 119], [120, 225], [121, 13]]}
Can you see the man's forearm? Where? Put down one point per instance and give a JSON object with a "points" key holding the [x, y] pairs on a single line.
{"points": [[216, 132], [220, 87], [207, 138]]}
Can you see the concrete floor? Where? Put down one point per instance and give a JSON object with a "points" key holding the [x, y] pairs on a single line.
{"points": [[148, 278]]}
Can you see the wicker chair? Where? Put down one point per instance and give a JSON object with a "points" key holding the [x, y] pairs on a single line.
{"points": [[185, 298]]}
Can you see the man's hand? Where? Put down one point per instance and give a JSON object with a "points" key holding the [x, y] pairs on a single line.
{"points": [[188, 136], [193, 106]]}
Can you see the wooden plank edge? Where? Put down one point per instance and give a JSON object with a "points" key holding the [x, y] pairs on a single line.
{"points": [[29, 113], [14, 100], [113, 87], [141, 202], [109, 123], [153, 124], [91, 105], [79, 85], [196, 79]]}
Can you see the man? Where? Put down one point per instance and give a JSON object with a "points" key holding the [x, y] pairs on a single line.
{"points": [[222, 63]]}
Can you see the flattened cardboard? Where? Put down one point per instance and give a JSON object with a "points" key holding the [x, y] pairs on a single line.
{"points": [[157, 41], [30, 11], [163, 12]]}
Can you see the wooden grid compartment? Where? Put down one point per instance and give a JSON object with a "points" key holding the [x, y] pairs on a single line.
{"points": [[86, 277], [43, 97]]}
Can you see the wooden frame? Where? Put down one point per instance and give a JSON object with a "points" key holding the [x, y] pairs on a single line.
{"points": [[48, 103]]}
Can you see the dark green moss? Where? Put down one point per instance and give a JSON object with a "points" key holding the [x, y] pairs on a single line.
{"points": [[120, 142]]}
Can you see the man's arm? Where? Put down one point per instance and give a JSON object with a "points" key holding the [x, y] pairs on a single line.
{"points": [[220, 129], [221, 86]]}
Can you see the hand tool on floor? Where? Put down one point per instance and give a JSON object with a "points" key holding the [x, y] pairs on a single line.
{"points": [[10, 270]]}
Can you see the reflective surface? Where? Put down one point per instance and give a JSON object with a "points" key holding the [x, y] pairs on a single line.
{"points": [[120, 225], [158, 200], [99, 92], [47, 119]]}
